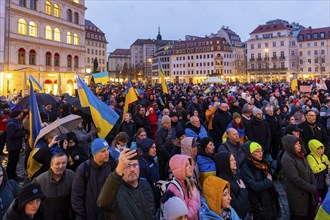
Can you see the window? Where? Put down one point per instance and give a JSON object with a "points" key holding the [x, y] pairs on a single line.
{"points": [[87, 50], [308, 52], [292, 52], [76, 1], [48, 59], [316, 60], [282, 43], [322, 43], [293, 64], [266, 45], [48, 8], [76, 18], [301, 37], [69, 59], [49, 32], [322, 52], [259, 46], [22, 3], [315, 35], [21, 56], [293, 43], [33, 4], [300, 45], [309, 69], [274, 54], [315, 52], [282, 65], [32, 57], [252, 46], [22, 26], [309, 61], [76, 62], [75, 39], [308, 36], [57, 11], [69, 15], [69, 38], [322, 35], [56, 60], [282, 53], [57, 34], [32, 29]]}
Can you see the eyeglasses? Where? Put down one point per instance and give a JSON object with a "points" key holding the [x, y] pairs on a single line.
{"points": [[133, 165]]}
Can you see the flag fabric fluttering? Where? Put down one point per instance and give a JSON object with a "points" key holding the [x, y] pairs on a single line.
{"points": [[101, 77], [103, 116], [35, 83], [35, 127], [162, 77], [208, 90], [294, 83], [130, 97]]}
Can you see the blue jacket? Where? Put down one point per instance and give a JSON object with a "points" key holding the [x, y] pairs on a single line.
{"points": [[207, 214], [191, 133]]}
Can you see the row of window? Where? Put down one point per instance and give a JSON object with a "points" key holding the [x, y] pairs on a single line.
{"points": [[48, 59], [316, 60], [269, 35], [313, 36], [96, 37], [309, 44], [32, 4], [274, 44], [49, 33], [91, 60], [198, 44], [202, 49], [92, 43], [97, 52], [309, 53], [56, 12], [316, 69], [259, 66], [191, 72]]}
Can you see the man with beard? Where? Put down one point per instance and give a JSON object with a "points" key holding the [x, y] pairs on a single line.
{"points": [[124, 195]]}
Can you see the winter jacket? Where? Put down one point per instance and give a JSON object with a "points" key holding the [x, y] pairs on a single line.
{"points": [[220, 122], [129, 128], [239, 196], [209, 115], [83, 137], [260, 133], [240, 131], [299, 180], [122, 201], [192, 131], [191, 199], [205, 165], [14, 135], [57, 205], [317, 163], [7, 192], [143, 122], [211, 202], [86, 187], [14, 214], [234, 149], [259, 188]]}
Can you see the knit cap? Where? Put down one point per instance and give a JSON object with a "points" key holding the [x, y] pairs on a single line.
{"points": [[173, 208], [256, 111], [165, 119], [254, 146], [28, 193], [146, 143], [98, 145]]}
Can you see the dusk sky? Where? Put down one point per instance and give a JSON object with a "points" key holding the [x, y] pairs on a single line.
{"points": [[125, 21]]}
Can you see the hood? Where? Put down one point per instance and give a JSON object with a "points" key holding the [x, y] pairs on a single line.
{"points": [[146, 143], [213, 188], [313, 145], [222, 163], [5, 178], [289, 141], [177, 165], [186, 145]]}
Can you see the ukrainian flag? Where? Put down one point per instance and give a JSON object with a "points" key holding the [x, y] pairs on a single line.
{"points": [[103, 116], [34, 83], [130, 97], [101, 77], [208, 90], [294, 83], [162, 77], [324, 209], [35, 127]]}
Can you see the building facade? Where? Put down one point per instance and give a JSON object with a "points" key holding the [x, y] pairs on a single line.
{"points": [[96, 48], [46, 39], [164, 54], [314, 53], [272, 51], [119, 64]]}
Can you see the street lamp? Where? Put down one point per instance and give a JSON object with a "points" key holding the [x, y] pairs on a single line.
{"points": [[8, 76], [266, 66], [88, 70]]}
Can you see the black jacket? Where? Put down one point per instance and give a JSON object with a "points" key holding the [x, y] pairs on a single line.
{"points": [[129, 128], [259, 132], [220, 122], [15, 134], [142, 122]]}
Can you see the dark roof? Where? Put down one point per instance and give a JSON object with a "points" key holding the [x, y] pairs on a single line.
{"points": [[158, 43], [124, 52], [270, 27], [314, 34], [92, 29]]}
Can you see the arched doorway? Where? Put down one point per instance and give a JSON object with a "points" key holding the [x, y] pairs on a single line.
{"points": [[69, 87], [48, 86]]}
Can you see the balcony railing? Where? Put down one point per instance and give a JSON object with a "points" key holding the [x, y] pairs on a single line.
{"points": [[259, 59], [252, 59], [282, 57], [266, 59], [274, 58], [267, 69]]}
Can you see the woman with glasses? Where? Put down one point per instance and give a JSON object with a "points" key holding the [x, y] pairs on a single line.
{"points": [[259, 183], [299, 182]]}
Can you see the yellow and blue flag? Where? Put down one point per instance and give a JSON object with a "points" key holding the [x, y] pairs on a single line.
{"points": [[294, 83], [35, 83], [162, 77], [101, 77], [103, 116], [130, 97], [324, 210], [35, 127], [208, 90]]}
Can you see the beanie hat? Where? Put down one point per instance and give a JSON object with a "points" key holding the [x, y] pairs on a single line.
{"points": [[180, 133], [98, 145], [165, 119], [236, 115], [256, 111], [295, 101], [15, 113], [204, 142], [146, 143], [246, 110], [28, 193], [174, 207], [173, 114], [254, 146]]}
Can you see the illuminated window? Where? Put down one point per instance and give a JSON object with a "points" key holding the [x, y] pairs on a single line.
{"points": [[49, 33], [48, 59], [32, 57], [57, 11], [48, 8], [32, 29], [75, 39], [57, 34], [76, 1], [69, 59], [69, 38], [21, 56], [76, 62], [22, 26], [56, 60]]}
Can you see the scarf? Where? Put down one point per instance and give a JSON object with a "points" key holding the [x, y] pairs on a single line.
{"points": [[301, 155], [260, 166], [226, 214]]}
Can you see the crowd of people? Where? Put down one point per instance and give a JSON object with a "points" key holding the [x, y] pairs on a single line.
{"points": [[183, 155]]}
